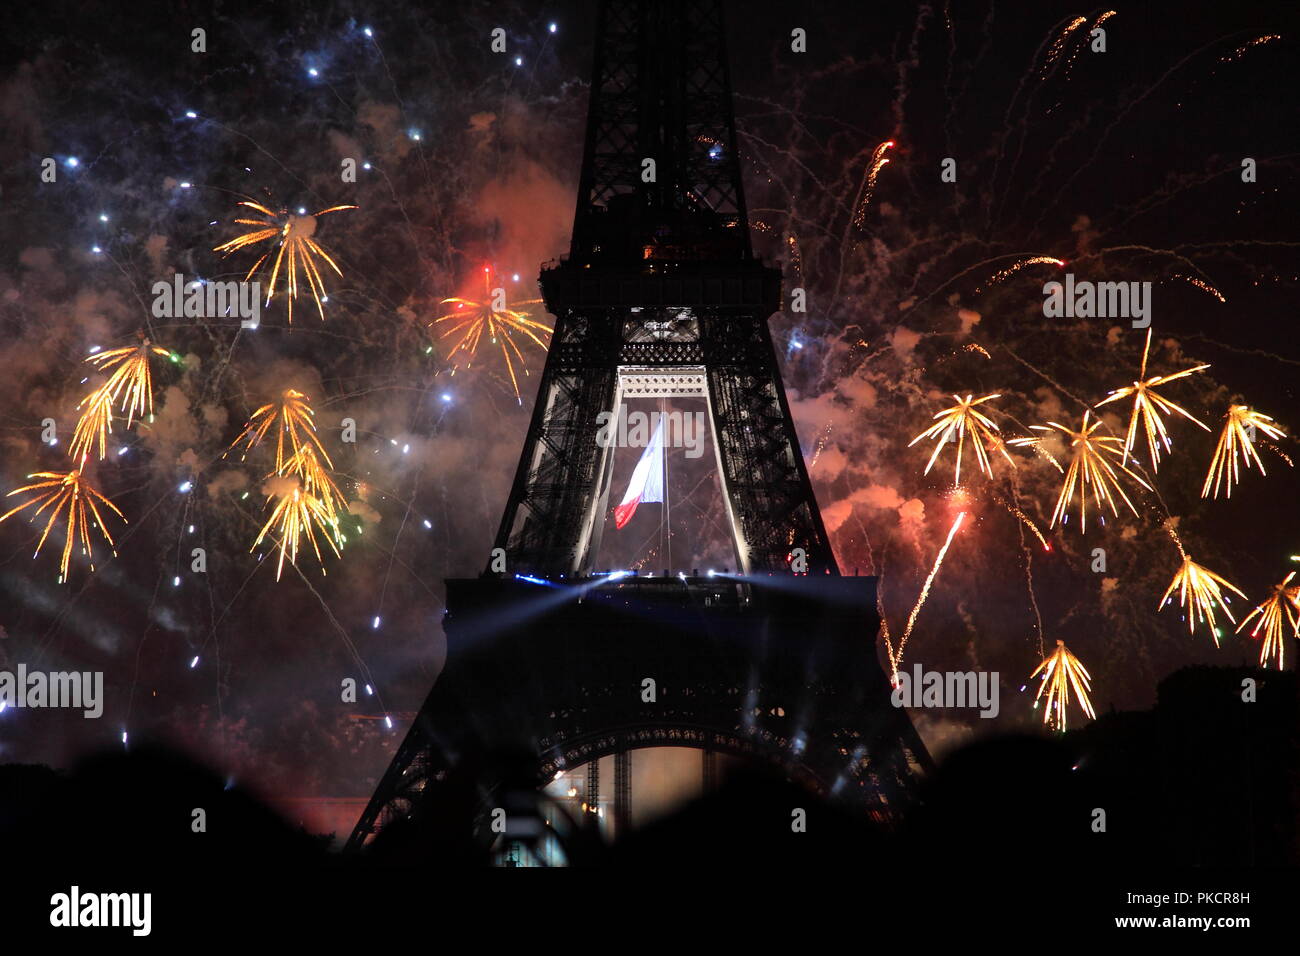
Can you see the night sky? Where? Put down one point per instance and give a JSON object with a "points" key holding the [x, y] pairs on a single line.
{"points": [[1125, 164]]}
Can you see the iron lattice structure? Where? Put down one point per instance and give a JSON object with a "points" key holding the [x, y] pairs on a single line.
{"points": [[778, 670], [660, 276], [660, 295]]}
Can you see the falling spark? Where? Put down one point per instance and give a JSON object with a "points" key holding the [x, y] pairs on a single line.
{"points": [[1200, 284], [1199, 593], [962, 423], [1147, 408], [796, 258], [878, 162], [1088, 467], [297, 252], [69, 494], [1060, 42], [472, 319], [1241, 50], [131, 380], [896, 658], [1237, 443], [1062, 671], [1279, 610]]}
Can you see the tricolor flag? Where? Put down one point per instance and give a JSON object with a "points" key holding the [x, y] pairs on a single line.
{"points": [[647, 482]]}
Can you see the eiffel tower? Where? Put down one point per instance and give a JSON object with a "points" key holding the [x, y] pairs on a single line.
{"points": [[660, 296]]}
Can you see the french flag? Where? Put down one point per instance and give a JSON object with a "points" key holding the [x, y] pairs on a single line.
{"points": [[647, 482]]}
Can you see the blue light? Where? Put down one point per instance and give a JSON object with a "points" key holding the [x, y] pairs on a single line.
{"points": [[531, 580], [185, 487], [311, 71], [367, 31], [191, 114], [73, 162], [551, 27], [519, 61], [103, 217], [446, 396]]}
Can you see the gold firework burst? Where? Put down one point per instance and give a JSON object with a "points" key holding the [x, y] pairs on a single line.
{"points": [[298, 514], [472, 320], [1148, 406], [297, 250], [316, 480], [131, 379], [1094, 462], [962, 423], [1062, 672], [70, 495], [294, 422], [1280, 610], [1200, 593], [1237, 443]]}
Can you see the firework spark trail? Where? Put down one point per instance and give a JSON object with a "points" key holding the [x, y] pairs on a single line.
{"points": [[1049, 68], [1148, 406], [1177, 186], [897, 658], [1074, 56], [1200, 592], [72, 495], [1015, 512], [1029, 566], [1099, 142], [297, 250], [821, 445], [1237, 444], [961, 423], [1003, 274], [1088, 466], [868, 187], [1279, 610], [1200, 284], [1062, 672], [1058, 46], [1011, 106], [965, 272], [1238, 53]]}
